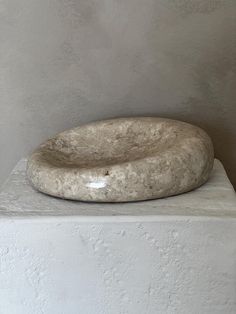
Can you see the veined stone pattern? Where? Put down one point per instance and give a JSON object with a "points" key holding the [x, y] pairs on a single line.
{"points": [[124, 159]]}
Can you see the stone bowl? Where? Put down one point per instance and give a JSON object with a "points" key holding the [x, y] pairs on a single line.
{"points": [[124, 159]]}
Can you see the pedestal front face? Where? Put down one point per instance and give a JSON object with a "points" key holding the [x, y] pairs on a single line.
{"points": [[175, 255], [161, 267]]}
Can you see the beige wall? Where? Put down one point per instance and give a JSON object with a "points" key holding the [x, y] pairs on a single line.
{"points": [[66, 62]]}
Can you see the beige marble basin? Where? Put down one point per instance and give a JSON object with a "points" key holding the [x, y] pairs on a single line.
{"points": [[125, 159]]}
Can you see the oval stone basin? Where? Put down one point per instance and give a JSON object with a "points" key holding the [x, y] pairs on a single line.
{"points": [[124, 159]]}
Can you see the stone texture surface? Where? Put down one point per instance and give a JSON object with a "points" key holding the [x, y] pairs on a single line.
{"points": [[68, 62], [216, 198], [125, 159], [167, 256]]}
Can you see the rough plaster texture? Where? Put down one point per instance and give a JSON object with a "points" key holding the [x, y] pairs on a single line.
{"points": [[120, 160], [175, 255], [66, 62]]}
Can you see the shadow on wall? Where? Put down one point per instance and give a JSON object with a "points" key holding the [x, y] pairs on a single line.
{"points": [[222, 137], [193, 78]]}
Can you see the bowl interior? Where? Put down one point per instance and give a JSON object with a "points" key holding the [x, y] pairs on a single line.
{"points": [[109, 143]]}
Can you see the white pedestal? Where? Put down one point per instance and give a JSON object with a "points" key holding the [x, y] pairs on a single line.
{"points": [[168, 256]]}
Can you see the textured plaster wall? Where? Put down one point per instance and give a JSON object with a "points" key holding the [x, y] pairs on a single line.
{"points": [[66, 62]]}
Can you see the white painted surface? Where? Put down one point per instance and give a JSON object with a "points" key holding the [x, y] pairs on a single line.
{"points": [[176, 255]]}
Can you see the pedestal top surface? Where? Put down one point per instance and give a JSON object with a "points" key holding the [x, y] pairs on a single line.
{"points": [[215, 199]]}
